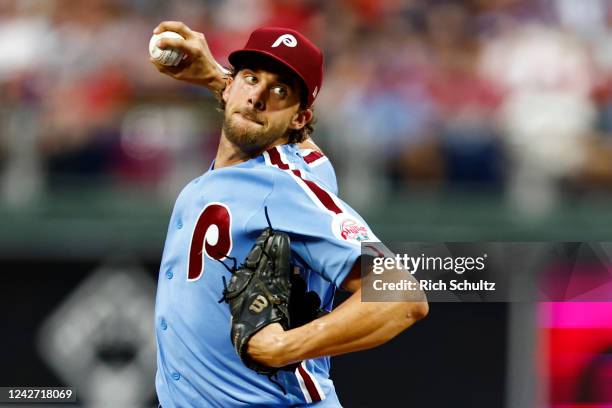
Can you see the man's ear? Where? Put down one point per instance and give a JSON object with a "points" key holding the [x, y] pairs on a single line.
{"points": [[301, 118], [225, 93]]}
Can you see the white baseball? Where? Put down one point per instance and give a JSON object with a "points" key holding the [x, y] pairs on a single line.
{"points": [[169, 56]]}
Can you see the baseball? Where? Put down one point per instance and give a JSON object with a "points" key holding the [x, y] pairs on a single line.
{"points": [[170, 56]]}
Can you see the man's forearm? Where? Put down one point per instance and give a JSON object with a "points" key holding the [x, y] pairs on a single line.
{"points": [[352, 326]]}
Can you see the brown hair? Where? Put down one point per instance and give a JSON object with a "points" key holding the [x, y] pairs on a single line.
{"points": [[295, 135]]}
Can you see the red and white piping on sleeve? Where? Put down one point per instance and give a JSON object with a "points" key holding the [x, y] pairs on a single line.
{"points": [[321, 197], [308, 384], [313, 157]]}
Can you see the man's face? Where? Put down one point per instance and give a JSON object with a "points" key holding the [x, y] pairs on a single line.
{"points": [[261, 106]]}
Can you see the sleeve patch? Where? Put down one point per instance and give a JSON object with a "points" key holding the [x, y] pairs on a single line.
{"points": [[349, 229]]}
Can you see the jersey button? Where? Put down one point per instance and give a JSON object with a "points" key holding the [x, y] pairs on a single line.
{"points": [[179, 224], [176, 376], [169, 274], [163, 324]]}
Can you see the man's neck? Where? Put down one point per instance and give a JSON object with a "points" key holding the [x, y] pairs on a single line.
{"points": [[228, 154]]}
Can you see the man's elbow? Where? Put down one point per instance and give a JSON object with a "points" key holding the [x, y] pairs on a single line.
{"points": [[408, 314], [415, 311], [419, 310]]}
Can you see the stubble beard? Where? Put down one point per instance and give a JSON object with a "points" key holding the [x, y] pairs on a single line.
{"points": [[249, 139]]}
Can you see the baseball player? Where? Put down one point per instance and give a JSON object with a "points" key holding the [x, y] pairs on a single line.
{"points": [[258, 178], [200, 68]]}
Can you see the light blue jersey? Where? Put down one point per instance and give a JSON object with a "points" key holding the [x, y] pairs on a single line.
{"points": [[217, 216], [320, 165]]}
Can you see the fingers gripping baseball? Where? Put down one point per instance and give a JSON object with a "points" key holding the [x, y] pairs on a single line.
{"points": [[176, 26], [198, 66], [190, 46]]}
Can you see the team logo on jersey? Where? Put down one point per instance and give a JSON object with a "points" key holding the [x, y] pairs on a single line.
{"points": [[285, 39], [351, 230]]}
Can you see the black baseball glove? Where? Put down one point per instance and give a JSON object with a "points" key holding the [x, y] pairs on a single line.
{"points": [[259, 291], [264, 291]]}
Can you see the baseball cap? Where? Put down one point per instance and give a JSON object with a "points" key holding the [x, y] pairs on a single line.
{"points": [[290, 48]]}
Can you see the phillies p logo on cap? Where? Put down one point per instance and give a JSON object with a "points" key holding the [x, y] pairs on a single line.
{"points": [[286, 39], [290, 48]]}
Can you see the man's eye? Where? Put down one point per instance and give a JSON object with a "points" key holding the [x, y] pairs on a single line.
{"points": [[279, 90], [251, 79]]}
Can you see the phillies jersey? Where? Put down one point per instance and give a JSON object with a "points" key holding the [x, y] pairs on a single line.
{"points": [[320, 165], [217, 217]]}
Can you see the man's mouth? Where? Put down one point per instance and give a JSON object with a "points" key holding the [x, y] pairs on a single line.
{"points": [[250, 118]]}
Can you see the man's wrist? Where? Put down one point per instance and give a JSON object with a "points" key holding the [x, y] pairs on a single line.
{"points": [[215, 82]]}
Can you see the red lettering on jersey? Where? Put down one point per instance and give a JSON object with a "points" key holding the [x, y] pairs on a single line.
{"points": [[211, 236], [323, 196]]}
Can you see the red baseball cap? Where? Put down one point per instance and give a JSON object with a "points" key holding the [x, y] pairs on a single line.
{"points": [[291, 49]]}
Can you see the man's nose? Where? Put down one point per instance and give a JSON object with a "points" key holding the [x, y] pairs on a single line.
{"points": [[258, 96]]}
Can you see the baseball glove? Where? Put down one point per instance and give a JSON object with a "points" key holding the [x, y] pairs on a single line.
{"points": [[264, 291], [259, 291]]}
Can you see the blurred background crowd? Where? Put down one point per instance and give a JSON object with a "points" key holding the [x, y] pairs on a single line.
{"points": [[513, 97]]}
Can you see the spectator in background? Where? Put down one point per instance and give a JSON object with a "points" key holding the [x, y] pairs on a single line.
{"points": [[465, 100], [24, 40], [546, 113]]}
